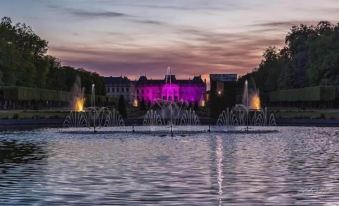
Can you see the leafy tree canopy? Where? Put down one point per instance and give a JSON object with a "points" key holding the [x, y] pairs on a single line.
{"points": [[310, 57], [24, 62]]}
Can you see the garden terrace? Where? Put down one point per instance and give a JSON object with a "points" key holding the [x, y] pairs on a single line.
{"points": [[12, 97], [325, 96]]}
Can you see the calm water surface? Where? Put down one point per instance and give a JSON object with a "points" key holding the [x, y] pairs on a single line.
{"points": [[296, 166]]}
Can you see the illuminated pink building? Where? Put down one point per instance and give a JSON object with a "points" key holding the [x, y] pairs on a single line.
{"points": [[170, 89]]}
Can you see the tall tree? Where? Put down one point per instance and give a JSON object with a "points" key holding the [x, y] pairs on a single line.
{"points": [[24, 62], [309, 58], [122, 106]]}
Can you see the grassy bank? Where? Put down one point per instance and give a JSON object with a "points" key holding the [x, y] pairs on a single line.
{"points": [[33, 114]]}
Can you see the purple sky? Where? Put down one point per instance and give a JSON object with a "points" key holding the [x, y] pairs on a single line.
{"points": [[133, 37]]}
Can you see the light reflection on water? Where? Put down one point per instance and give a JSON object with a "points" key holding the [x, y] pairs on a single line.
{"points": [[297, 166], [219, 154]]}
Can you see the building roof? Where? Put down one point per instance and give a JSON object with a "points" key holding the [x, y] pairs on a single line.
{"points": [[116, 80], [144, 80]]}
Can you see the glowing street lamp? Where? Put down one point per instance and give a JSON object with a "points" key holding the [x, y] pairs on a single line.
{"points": [[135, 103], [202, 103], [219, 92]]}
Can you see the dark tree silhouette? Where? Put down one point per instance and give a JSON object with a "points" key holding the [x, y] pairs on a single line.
{"points": [[142, 105], [309, 58], [24, 62], [122, 106]]}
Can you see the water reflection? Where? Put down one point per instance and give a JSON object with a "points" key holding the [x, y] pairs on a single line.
{"points": [[219, 157], [297, 166], [21, 171], [20, 152]]}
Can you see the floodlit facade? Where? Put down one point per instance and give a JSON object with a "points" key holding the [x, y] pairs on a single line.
{"points": [[149, 91], [192, 91]]}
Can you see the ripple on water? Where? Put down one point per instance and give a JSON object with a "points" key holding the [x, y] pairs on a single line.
{"points": [[295, 166]]}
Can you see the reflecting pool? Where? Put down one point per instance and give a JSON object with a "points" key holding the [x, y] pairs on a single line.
{"points": [[294, 166]]}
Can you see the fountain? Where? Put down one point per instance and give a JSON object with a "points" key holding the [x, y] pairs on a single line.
{"points": [[78, 93], [167, 111], [249, 113], [251, 97], [95, 117], [170, 115], [189, 117], [76, 119], [90, 117]]}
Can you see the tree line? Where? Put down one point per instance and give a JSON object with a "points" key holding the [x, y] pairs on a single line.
{"points": [[310, 57], [24, 62]]}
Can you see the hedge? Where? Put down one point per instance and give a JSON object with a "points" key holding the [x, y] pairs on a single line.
{"points": [[307, 94], [37, 94]]}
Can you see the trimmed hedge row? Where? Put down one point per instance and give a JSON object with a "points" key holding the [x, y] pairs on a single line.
{"points": [[28, 93], [37, 94], [307, 94]]}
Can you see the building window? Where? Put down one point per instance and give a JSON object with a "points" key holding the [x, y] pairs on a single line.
{"points": [[118, 89], [122, 89], [127, 89], [113, 89]]}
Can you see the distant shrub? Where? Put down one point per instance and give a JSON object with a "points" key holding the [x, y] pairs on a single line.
{"points": [[15, 116]]}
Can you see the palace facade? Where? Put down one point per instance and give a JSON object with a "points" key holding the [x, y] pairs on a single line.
{"points": [[190, 91]]}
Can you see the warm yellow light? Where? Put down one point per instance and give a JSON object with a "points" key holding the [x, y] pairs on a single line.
{"points": [[202, 103], [79, 104], [255, 102], [219, 92], [135, 103]]}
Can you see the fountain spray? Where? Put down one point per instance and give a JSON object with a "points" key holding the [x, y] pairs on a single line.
{"points": [[93, 96], [78, 96], [93, 105], [247, 103], [169, 75]]}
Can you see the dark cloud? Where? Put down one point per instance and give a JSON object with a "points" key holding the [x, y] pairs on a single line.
{"points": [[283, 24], [110, 14], [91, 14], [87, 14], [105, 14], [184, 6], [151, 22]]}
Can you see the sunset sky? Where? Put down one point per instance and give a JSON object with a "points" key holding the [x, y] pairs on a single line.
{"points": [[133, 37]]}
